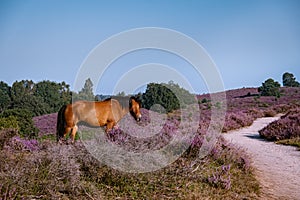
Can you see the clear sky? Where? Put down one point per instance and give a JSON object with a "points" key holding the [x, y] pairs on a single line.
{"points": [[249, 40]]}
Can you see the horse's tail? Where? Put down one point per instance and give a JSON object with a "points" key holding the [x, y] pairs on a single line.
{"points": [[61, 123]]}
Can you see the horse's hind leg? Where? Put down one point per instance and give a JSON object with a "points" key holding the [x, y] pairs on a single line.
{"points": [[73, 133]]}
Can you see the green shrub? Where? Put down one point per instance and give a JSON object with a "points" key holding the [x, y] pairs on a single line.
{"points": [[270, 88], [161, 95], [24, 120], [204, 100], [170, 96], [9, 122]]}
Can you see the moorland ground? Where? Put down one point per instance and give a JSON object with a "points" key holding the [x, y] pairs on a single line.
{"points": [[39, 168]]}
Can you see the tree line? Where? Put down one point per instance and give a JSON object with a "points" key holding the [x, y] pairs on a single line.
{"points": [[26, 99], [271, 87], [38, 98]]}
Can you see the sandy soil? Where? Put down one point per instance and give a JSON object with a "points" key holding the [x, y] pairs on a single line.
{"points": [[277, 166]]}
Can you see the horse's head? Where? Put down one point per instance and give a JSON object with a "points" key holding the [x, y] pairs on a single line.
{"points": [[134, 108]]}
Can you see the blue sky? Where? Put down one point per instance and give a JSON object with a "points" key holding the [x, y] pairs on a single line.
{"points": [[249, 41]]}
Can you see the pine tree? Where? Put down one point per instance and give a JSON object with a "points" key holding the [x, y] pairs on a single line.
{"points": [[289, 80], [86, 93]]}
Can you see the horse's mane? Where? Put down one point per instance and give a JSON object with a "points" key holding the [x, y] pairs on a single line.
{"points": [[124, 101]]}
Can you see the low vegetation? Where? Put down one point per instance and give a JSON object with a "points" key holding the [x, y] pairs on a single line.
{"points": [[45, 170], [33, 166], [245, 105], [286, 130]]}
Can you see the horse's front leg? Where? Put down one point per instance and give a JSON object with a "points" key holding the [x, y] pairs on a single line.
{"points": [[73, 133], [109, 126]]}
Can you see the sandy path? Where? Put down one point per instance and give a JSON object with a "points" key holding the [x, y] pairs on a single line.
{"points": [[278, 166]]}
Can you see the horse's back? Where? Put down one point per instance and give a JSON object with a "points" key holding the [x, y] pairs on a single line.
{"points": [[97, 113], [81, 111], [109, 110]]}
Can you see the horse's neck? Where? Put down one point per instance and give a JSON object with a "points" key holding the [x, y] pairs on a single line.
{"points": [[125, 111]]}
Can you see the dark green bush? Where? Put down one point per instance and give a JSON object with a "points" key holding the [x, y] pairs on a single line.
{"points": [[161, 95], [270, 88], [24, 120], [170, 96]]}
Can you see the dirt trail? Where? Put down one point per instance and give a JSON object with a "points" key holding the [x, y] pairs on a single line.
{"points": [[278, 166]]}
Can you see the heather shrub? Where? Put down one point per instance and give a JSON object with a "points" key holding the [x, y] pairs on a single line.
{"points": [[17, 143], [225, 152], [221, 177], [236, 120], [282, 108], [227, 164], [6, 135], [46, 124], [285, 128], [254, 113], [52, 174], [70, 172], [155, 133], [269, 113]]}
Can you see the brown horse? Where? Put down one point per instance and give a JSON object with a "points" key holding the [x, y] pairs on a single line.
{"points": [[100, 113]]}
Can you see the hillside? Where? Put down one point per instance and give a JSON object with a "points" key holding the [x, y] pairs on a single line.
{"points": [[40, 168]]}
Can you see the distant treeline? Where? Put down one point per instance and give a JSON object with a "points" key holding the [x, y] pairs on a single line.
{"points": [[271, 87], [38, 98], [26, 99]]}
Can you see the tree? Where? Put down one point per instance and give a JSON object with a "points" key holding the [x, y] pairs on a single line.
{"points": [[289, 80], [170, 96], [86, 93], [5, 99], [270, 88], [121, 94], [161, 95], [53, 94], [184, 95], [21, 88], [65, 92], [22, 95]]}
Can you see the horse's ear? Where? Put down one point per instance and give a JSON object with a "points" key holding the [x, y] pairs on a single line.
{"points": [[130, 101], [136, 99]]}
